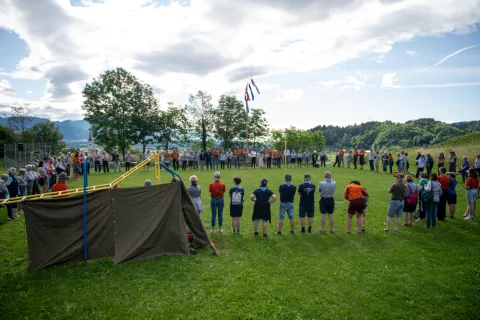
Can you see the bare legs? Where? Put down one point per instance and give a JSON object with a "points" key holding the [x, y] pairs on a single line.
{"points": [[236, 224], [330, 220]]}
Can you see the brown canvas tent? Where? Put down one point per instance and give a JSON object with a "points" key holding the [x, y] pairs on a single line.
{"points": [[128, 224]]}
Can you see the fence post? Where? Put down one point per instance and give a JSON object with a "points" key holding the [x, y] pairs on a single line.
{"points": [[85, 183]]}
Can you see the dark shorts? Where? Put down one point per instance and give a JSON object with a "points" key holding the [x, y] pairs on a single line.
{"points": [[236, 211], [306, 210], [327, 206], [292, 160], [356, 206], [452, 198]]}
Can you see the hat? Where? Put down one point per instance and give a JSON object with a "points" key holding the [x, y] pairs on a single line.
{"points": [[288, 176], [306, 176], [62, 176], [399, 176]]}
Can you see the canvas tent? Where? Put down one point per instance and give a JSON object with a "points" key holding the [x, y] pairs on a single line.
{"points": [[128, 224]]}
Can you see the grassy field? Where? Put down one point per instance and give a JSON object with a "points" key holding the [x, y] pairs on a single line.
{"points": [[415, 274]]}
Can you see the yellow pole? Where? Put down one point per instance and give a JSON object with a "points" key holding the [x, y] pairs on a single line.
{"points": [[157, 168]]}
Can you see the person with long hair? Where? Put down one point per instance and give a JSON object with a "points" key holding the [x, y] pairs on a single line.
{"points": [[355, 193], [195, 193], [12, 186], [465, 168], [452, 162], [441, 161], [422, 204], [263, 198], [411, 190], [472, 193], [433, 192], [217, 190]]}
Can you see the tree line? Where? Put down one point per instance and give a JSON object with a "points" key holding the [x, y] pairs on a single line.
{"points": [[420, 132]]}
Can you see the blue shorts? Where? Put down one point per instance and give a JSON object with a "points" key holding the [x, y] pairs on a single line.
{"points": [[471, 196], [286, 208], [395, 209]]}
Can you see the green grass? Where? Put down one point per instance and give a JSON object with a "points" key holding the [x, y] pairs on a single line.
{"points": [[416, 274]]}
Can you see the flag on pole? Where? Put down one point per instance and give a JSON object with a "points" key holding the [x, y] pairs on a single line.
{"points": [[253, 82], [251, 92], [247, 96], [246, 105]]}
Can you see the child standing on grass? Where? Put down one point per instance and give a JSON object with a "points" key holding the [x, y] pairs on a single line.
{"points": [[471, 185], [61, 185], [452, 194], [195, 192], [397, 202], [355, 193], [236, 204], [465, 167]]}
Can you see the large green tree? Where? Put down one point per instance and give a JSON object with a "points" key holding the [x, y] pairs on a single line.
{"points": [[297, 139], [119, 108], [229, 120], [202, 114], [20, 119], [7, 135], [48, 131], [172, 126]]}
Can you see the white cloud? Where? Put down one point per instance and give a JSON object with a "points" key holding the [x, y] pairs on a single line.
{"points": [[388, 81], [29, 92], [411, 52], [289, 95], [6, 88], [350, 82], [362, 76], [68, 45]]}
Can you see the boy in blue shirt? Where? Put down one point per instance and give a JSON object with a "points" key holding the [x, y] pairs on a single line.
{"points": [[287, 193]]}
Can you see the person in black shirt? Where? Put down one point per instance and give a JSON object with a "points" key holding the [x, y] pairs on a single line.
{"points": [[307, 202], [236, 204], [262, 197], [208, 158], [287, 193], [202, 157], [314, 159]]}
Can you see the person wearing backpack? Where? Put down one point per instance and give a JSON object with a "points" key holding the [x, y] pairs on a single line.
{"points": [[236, 204], [431, 196], [422, 204], [411, 200]]}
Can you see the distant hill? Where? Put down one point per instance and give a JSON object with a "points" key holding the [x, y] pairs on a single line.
{"points": [[71, 129], [420, 132]]}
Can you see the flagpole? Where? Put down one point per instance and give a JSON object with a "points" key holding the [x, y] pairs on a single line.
{"points": [[246, 139], [285, 155]]}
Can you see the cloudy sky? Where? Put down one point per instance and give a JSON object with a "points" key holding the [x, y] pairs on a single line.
{"points": [[315, 61]]}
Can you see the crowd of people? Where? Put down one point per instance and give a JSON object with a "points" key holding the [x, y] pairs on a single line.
{"points": [[426, 201]]}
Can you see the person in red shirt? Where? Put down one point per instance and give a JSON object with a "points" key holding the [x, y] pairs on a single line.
{"points": [[61, 185], [472, 186], [175, 156], [361, 155], [215, 157], [355, 158], [217, 190], [442, 204], [341, 153], [355, 193], [245, 155], [237, 154], [269, 158], [167, 156]]}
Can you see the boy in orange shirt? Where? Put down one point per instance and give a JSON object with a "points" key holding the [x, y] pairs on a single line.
{"points": [[61, 184]]}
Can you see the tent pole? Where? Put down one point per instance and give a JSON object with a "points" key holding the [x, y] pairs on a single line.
{"points": [[246, 142], [85, 183]]}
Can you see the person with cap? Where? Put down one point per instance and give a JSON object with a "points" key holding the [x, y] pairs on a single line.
{"points": [[355, 193], [263, 198], [287, 193], [327, 201], [395, 208], [307, 202], [217, 190]]}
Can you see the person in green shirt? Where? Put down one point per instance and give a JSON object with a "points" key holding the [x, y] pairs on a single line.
{"points": [[395, 209]]}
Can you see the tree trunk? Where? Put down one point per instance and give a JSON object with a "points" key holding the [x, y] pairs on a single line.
{"points": [[166, 146], [144, 145], [204, 135]]}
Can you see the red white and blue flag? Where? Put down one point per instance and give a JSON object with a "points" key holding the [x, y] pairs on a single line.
{"points": [[253, 82]]}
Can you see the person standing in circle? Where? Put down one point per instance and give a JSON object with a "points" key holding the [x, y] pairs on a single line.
{"points": [[253, 157], [327, 202], [287, 193], [307, 202], [217, 190], [355, 193], [397, 202], [263, 198], [236, 204], [361, 156]]}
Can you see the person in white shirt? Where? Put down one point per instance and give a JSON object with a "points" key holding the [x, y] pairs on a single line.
{"points": [[253, 156]]}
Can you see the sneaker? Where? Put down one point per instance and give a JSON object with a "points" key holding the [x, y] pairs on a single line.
{"points": [[322, 232], [221, 230], [266, 235], [234, 231], [332, 231], [10, 218], [292, 232], [279, 233], [303, 231], [212, 230], [467, 218], [309, 231], [363, 229], [418, 219]]}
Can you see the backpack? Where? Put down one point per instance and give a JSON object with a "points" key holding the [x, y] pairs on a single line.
{"points": [[41, 181], [412, 199], [236, 198], [428, 196]]}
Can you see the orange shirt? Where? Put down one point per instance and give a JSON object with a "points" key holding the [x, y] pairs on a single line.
{"points": [[362, 153], [354, 192], [167, 155], [355, 153], [444, 181], [175, 155], [244, 152], [270, 152], [341, 153], [215, 153], [60, 187], [237, 152], [472, 183], [217, 189], [390, 159]]}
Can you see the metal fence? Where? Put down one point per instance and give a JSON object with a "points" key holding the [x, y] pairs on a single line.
{"points": [[18, 155]]}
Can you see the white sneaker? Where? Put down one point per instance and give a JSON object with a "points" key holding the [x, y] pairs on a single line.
{"points": [[212, 230], [221, 230], [416, 220], [467, 218]]}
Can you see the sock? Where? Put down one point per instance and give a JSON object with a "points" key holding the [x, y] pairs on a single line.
{"points": [[238, 230], [309, 229], [303, 229]]}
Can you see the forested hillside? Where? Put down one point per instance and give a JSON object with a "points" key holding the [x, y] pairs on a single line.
{"points": [[421, 132]]}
